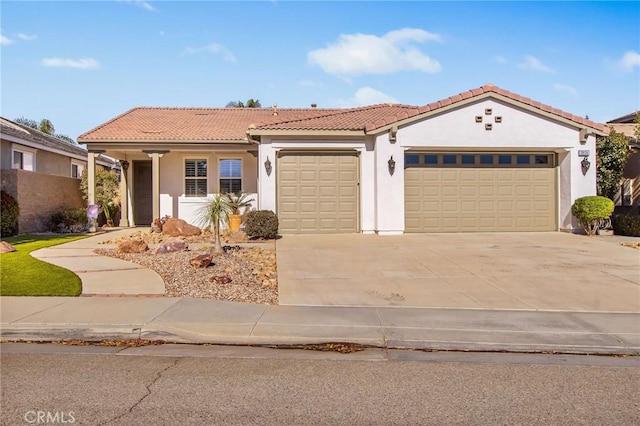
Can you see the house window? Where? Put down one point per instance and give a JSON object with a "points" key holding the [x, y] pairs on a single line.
{"points": [[23, 160], [195, 178], [230, 176], [76, 170]]}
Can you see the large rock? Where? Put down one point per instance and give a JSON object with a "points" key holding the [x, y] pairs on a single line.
{"points": [[201, 261], [132, 246], [179, 228], [5, 247], [172, 246]]}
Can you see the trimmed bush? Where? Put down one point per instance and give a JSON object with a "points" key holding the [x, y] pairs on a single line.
{"points": [[590, 210], [261, 224], [8, 215], [69, 221], [626, 225]]}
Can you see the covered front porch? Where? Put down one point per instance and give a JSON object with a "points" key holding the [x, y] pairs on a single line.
{"points": [[177, 182]]}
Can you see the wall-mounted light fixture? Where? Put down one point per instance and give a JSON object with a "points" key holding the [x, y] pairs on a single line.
{"points": [[125, 165], [586, 164], [267, 166], [392, 165]]}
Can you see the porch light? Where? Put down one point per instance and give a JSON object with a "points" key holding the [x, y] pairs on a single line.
{"points": [[267, 166], [585, 163], [392, 165], [125, 165]]}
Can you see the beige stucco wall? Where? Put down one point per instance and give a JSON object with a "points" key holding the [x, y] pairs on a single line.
{"points": [[40, 195], [46, 162], [5, 154]]}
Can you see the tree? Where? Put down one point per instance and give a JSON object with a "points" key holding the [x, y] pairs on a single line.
{"points": [[107, 192], [46, 126], [611, 156], [636, 131], [251, 103], [215, 213], [27, 122]]}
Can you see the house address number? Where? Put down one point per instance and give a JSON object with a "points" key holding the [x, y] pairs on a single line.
{"points": [[583, 153]]}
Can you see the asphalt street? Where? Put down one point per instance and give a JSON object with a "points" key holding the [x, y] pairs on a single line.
{"points": [[182, 384]]}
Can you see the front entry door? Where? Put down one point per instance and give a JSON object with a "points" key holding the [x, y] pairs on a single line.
{"points": [[142, 193]]}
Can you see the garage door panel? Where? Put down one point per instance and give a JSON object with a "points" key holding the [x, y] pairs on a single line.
{"points": [[479, 199], [318, 193]]}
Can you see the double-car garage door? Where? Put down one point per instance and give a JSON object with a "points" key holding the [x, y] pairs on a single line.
{"points": [[481, 192], [318, 192]]}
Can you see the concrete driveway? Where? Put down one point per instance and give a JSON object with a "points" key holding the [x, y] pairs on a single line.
{"points": [[542, 271]]}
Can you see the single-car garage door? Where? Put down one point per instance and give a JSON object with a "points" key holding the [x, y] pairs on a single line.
{"points": [[318, 192], [480, 192]]}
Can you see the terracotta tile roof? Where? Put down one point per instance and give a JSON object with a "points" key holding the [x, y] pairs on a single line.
{"points": [[231, 124], [191, 124], [490, 88], [627, 118], [11, 128], [346, 119], [626, 129]]}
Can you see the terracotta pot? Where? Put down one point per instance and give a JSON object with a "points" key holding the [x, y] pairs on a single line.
{"points": [[235, 220]]}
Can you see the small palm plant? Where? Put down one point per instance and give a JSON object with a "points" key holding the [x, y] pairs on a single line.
{"points": [[215, 213], [238, 201]]}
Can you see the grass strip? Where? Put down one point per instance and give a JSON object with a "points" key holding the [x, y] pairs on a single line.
{"points": [[23, 275]]}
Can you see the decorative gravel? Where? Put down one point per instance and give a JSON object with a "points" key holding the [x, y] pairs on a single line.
{"points": [[252, 271]]}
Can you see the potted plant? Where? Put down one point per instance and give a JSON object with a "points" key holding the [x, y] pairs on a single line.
{"points": [[236, 202]]}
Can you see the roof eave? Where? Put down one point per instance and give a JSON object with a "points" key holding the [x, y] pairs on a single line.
{"points": [[164, 141], [299, 132]]}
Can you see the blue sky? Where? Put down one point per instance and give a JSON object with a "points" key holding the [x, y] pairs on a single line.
{"points": [[82, 63]]}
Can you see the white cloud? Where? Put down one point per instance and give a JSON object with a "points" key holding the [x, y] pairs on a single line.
{"points": [[629, 61], [214, 49], [357, 54], [141, 4], [5, 40], [84, 63], [533, 63], [307, 83], [27, 37], [567, 89], [500, 59], [367, 96]]}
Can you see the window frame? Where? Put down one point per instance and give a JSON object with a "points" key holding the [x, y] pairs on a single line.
{"points": [[241, 178], [80, 167], [205, 178], [23, 150]]}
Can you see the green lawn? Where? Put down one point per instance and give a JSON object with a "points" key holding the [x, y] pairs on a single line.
{"points": [[23, 275]]}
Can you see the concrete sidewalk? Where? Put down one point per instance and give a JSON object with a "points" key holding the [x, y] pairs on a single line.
{"points": [[103, 275], [208, 321]]}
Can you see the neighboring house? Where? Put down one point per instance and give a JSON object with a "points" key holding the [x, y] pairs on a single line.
{"points": [[629, 195], [42, 173], [482, 160]]}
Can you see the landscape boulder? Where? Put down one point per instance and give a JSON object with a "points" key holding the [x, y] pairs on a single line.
{"points": [[132, 246], [172, 246], [220, 279], [175, 227], [202, 261], [5, 247]]}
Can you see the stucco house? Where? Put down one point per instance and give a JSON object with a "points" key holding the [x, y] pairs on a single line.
{"points": [[482, 160], [42, 173]]}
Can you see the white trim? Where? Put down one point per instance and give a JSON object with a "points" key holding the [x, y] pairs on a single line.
{"points": [[38, 146], [80, 166], [23, 151]]}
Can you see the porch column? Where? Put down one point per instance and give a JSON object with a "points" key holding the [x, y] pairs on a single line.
{"points": [[124, 194], [155, 181], [91, 185]]}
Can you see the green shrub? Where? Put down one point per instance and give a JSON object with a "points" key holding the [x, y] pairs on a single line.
{"points": [[590, 210], [626, 225], [8, 215], [66, 221], [261, 224]]}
